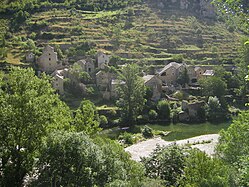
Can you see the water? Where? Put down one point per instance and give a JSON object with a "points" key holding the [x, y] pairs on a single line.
{"points": [[181, 131], [178, 131]]}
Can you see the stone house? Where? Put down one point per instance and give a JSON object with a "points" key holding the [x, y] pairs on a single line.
{"points": [[87, 65], [155, 84], [170, 72], [102, 60], [103, 80], [30, 57], [190, 111], [58, 80], [48, 61]]}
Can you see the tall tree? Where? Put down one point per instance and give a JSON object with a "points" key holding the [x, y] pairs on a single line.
{"points": [[86, 118], [29, 109], [131, 92]]}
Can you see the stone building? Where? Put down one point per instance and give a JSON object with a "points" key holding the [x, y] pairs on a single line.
{"points": [[170, 72], [48, 61], [102, 60], [155, 84], [58, 80], [87, 65]]}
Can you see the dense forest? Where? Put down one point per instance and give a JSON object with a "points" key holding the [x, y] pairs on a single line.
{"points": [[46, 140]]}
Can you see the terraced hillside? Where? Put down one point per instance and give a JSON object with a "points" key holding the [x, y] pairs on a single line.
{"points": [[141, 33]]}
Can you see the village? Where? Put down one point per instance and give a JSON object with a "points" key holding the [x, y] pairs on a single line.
{"points": [[90, 72]]}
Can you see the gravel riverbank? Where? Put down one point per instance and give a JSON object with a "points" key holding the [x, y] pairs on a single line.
{"points": [[205, 143]]}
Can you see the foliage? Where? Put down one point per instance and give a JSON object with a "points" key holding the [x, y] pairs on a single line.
{"points": [[214, 110], [103, 120], [163, 108], [213, 86], [234, 142], [73, 159], [153, 114], [235, 8], [147, 132], [183, 78], [166, 164], [86, 118], [201, 170], [29, 110], [233, 147], [127, 138], [131, 92]]}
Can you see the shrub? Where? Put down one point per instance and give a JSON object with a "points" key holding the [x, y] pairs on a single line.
{"points": [[163, 110], [166, 164], [152, 114], [103, 120], [127, 137], [147, 132]]}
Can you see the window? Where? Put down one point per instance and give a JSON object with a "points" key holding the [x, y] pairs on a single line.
{"points": [[49, 54], [49, 59], [163, 74], [89, 69]]}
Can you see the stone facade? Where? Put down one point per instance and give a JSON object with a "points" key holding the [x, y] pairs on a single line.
{"points": [[87, 65], [170, 72], [30, 57], [190, 111], [58, 80], [48, 61], [102, 60], [155, 84]]}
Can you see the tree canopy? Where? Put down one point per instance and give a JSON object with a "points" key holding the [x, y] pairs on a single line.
{"points": [[131, 92], [29, 110]]}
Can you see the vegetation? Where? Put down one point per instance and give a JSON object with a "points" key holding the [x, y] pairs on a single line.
{"points": [[29, 111], [44, 143], [131, 91]]}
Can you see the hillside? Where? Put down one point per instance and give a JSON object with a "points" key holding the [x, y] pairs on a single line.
{"points": [[145, 33]]}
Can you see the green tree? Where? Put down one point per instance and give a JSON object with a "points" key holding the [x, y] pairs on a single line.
{"points": [[201, 170], [163, 109], [214, 110], [234, 142], [233, 147], [131, 92], [183, 78], [73, 159], [86, 118], [213, 86], [166, 164], [235, 9], [29, 109]]}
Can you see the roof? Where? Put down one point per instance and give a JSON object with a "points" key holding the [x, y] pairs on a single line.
{"points": [[147, 78], [209, 73], [116, 82], [197, 68], [59, 76], [172, 64], [81, 62]]}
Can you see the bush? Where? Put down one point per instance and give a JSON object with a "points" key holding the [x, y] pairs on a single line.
{"points": [[147, 132], [127, 137], [166, 164], [153, 114], [103, 120], [163, 110]]}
